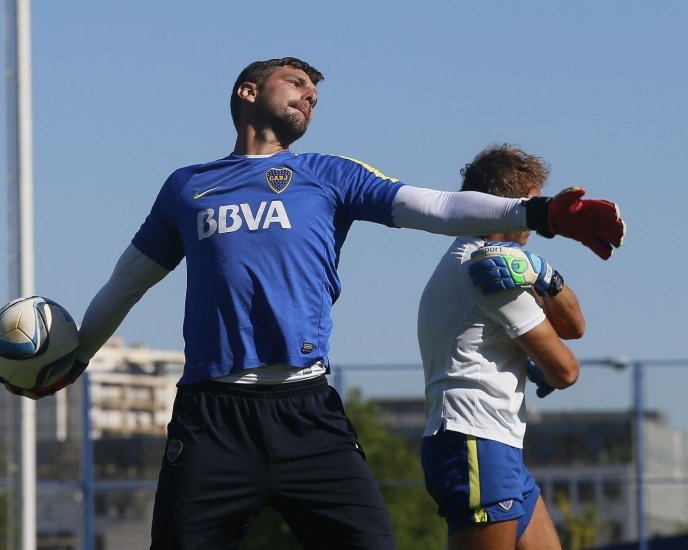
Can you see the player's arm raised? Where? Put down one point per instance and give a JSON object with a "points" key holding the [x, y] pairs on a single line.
{"points": [[594, 222]]}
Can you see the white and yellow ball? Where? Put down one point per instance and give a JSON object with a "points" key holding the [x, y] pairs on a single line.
{"points": [[38, 338]]}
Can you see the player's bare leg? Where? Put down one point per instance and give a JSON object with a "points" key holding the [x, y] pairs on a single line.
{"points": [[490, 536], [540, 533]]}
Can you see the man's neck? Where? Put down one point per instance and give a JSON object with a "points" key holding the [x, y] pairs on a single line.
{"points": [[250, 142]]}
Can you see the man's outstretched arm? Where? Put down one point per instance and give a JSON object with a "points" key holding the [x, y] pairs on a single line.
{"points": [[595, 223]]}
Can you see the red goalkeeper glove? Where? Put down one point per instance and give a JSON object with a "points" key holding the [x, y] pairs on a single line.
{"points": [[596, 223]]}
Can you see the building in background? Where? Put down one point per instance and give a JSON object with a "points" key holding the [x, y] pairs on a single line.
{"points": [[583, 460], [132, 390], [586, 460]]}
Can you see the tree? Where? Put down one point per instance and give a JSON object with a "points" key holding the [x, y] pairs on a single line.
{"points": [[580, 530], [397, 467]]}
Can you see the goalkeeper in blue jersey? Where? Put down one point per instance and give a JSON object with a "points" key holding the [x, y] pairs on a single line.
{"points": [[255, 423], [491, 315]]}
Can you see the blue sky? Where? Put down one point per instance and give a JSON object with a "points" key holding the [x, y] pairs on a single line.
{"points": [[125, 92]]}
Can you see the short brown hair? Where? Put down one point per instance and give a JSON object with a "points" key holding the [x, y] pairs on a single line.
{"points": [[505, 171], [258, 72]]}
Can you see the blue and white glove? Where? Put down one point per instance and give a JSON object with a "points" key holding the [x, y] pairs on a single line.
{"points": [[500, 266], [536, 376]]}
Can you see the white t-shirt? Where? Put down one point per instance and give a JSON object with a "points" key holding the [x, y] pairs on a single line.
{"points": [[474, 372]]}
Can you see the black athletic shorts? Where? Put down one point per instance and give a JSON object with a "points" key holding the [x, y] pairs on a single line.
{"points": [[234, 449]]}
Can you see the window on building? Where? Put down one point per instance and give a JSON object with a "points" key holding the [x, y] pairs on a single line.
{"points": [[614, 531], [612, 490], [560, 490], [586, 492]]}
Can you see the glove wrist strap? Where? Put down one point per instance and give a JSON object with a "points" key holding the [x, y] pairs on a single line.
{"points": [[537, 215]]}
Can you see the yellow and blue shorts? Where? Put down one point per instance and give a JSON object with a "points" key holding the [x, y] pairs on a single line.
{"points": [[475, 480]]}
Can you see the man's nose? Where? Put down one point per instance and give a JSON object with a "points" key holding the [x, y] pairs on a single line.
{"points": [[311, 96]]}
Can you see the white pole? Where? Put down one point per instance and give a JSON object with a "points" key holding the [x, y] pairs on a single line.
{"points": [[20, 214]]}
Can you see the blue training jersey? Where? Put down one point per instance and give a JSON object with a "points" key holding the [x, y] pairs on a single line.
{"points": [[262, 238]]}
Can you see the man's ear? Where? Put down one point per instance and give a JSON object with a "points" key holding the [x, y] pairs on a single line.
{"points": [[248, 91]]}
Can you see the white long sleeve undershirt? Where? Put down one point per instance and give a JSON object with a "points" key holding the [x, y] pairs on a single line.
{"points": [[133, 275], [456, 213]]}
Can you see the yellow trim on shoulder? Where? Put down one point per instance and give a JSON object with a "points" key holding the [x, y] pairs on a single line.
{"points": [[371, 169], [479, 514]]}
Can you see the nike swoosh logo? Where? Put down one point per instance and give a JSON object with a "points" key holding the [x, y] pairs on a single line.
{"points": [[199, 194]]}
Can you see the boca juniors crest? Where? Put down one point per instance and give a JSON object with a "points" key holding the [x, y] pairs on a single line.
{"points": [[174, 449], [278, 178]]}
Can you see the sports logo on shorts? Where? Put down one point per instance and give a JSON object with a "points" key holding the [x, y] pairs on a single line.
{"points": [[507, 504], [278, 178], [174, 449], [306, 347]]}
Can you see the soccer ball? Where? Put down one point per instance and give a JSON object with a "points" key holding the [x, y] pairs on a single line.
{"points": [[38, 340]]}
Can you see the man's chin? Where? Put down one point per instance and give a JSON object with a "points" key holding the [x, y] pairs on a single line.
{"points": [[288, 135]]}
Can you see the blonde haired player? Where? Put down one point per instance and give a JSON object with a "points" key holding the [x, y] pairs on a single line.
{"points": [[487, 310]]}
